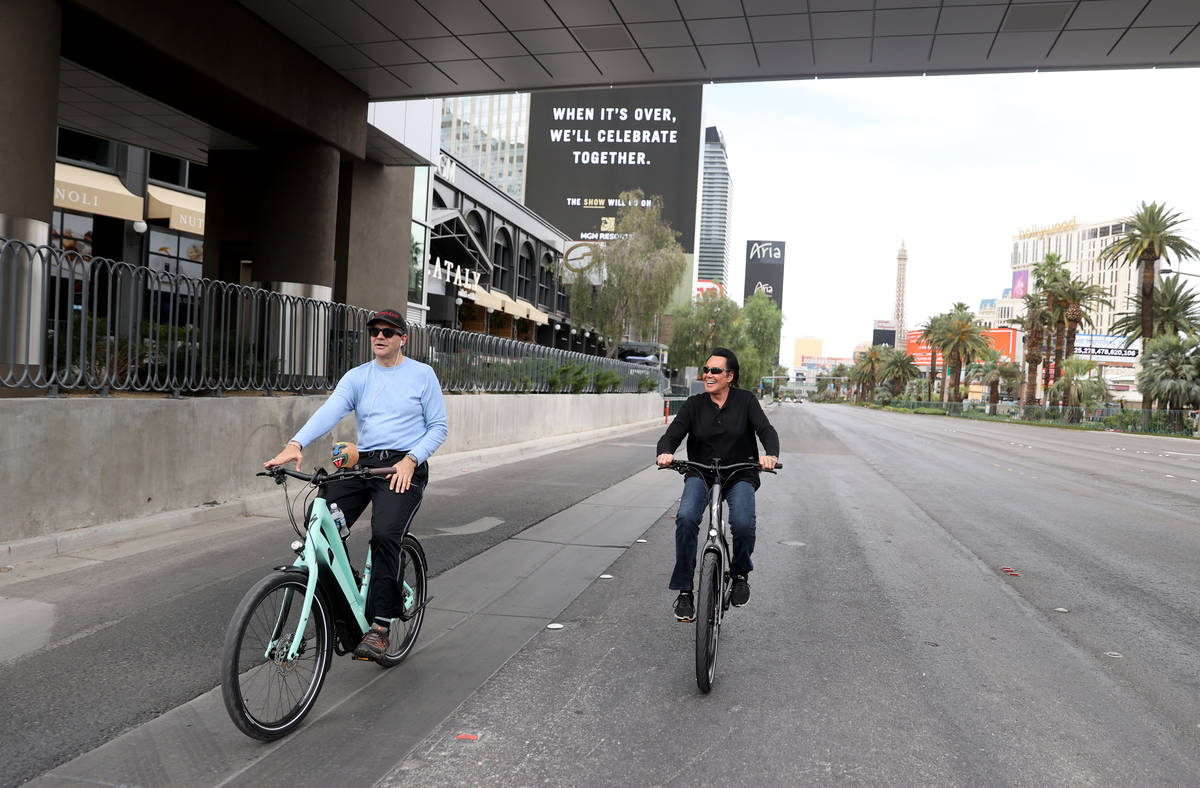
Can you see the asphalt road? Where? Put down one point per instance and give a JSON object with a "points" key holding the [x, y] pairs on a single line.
{"points": [[885, 642]]}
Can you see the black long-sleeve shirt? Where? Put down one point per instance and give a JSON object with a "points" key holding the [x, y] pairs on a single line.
{"points": [[725, 433]]}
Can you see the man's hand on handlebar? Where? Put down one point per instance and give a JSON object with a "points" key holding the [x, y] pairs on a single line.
{"points": [[767, 462], [664, 460], [290, 452], [401, 480]]}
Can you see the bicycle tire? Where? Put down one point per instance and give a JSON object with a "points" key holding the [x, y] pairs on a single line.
{"points": [[708, 620], [405, 630], [265, 697]]}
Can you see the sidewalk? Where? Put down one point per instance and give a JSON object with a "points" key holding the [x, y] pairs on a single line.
{"points": [[455, 464]]}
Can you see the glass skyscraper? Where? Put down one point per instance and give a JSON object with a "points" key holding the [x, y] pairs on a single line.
{"points": [[488, 134], [715, 197]]}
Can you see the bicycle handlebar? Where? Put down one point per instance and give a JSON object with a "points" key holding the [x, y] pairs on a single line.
{"points": [[716, 467], [321, 476]]}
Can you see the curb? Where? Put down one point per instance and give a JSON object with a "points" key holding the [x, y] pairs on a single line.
{"points": [[87, 538]]}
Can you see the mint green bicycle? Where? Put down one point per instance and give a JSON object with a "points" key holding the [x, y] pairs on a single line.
{"points": [[283, 635]]}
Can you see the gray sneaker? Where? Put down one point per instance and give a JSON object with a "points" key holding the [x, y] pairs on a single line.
{"points": [[685, 610]]}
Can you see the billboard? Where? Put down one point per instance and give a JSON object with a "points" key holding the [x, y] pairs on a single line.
{"points": [[881, 336], [1002, 339], [588, 146], [884, 333], [1106, 349], [1020, 284], [764, 270]]}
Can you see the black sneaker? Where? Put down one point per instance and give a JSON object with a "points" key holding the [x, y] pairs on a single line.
{"points": [[684, 609], [739, 595]]}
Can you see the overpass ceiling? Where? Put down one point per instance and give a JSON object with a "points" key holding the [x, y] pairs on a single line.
{"points": [[397, 49], [91, 102]]}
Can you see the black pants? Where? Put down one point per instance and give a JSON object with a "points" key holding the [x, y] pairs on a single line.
{"points": [[391, 515]]}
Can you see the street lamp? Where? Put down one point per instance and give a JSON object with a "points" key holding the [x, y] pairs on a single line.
{"points": [[1167, 270]]}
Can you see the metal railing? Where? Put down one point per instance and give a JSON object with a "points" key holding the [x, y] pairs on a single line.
{"points": [[75, 323]]}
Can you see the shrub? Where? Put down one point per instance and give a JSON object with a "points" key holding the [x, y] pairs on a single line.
{"points": [[606, 380], [646, 383], [571, 378]]}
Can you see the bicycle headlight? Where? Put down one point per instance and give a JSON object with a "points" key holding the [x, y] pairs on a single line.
{"points": [[297, 546]]}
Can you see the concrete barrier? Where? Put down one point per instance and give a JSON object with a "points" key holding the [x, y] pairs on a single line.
{"points": [[81, 462]]}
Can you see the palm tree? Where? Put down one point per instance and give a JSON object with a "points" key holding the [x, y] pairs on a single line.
{"points": [[841, 374], [929, 331], [991, 370], [1010, 377], [1047, 276], [986, 372], [1171, 373], [961, 341], [1077, 296], [896, 369], [867, 369], [1076, 389], [1150, 232], [1176, 311], [1033, 326]]}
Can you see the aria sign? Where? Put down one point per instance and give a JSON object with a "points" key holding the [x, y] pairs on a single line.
{"points": [[764, 270], [764, 251]]}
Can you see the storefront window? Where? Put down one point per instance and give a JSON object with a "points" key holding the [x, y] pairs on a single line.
{"points": [[71, 232], [173, 252]]}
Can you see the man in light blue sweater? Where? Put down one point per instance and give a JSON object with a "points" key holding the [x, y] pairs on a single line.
{"points": [[401, 419]]}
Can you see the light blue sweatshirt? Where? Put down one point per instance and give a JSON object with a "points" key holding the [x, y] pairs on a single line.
{"points": [[396, 407]]}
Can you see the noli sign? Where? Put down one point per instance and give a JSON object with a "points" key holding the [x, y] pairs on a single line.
{"points": [[764, 270]]}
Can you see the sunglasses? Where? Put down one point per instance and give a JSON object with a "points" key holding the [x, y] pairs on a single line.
{"points": [[388, 333], [713, 370]]}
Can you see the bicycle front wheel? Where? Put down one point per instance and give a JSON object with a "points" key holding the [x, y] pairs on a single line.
{"points": [[414, 593], [708, 620], [266, 694]]}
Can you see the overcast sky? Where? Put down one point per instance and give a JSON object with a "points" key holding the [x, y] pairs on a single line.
{"points": [[844, 170]]}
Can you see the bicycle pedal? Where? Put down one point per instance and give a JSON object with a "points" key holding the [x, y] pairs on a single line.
{"points": [[362, 659]]}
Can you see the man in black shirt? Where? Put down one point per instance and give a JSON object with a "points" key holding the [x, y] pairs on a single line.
{"points": [[720, 423]]}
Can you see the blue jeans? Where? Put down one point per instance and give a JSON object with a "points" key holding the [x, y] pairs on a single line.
{"points": [[692, 506]]}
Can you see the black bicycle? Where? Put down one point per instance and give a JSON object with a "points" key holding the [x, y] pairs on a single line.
{"points": [[712, 595]]}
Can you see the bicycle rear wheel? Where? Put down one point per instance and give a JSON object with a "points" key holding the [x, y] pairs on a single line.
{"points": [[415, 593], [267, 695], [708, 620]]}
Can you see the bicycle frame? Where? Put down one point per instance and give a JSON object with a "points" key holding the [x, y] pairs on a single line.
{"points": [[718, 538], [324, 551]]}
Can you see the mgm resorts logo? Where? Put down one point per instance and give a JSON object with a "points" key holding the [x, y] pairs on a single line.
{"points": [[765, 250]]}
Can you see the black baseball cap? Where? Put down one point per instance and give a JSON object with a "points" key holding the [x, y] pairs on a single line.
{"points": [[390, 316]]}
